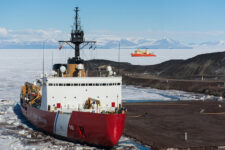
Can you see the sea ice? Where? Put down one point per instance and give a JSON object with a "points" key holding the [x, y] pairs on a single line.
{"points": [[22, 132], [10, 121]]}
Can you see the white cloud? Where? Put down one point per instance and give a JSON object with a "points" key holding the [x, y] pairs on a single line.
{"points": [[3, 32], [31, 35]]}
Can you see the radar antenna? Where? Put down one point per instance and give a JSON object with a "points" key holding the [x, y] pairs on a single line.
{"points": [[77, 38]]}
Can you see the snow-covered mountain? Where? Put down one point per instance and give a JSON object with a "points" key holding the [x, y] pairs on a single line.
{"points": [[124, 43], [215, 43], [165, 43], [209, 44]]}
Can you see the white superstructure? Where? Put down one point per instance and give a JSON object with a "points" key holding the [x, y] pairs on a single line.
{"points": [[69, 93]]}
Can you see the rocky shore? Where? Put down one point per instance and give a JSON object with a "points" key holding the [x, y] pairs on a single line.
{"points": [[160, 76], [207, 87]]}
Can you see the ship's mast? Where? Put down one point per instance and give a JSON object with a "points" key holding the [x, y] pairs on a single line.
{"points": [[76, 17], [77, 38]]}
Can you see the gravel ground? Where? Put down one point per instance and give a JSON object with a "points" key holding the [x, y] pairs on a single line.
{"points": [[163, 124]]}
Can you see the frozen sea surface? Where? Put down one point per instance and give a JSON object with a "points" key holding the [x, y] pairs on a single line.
{"points": [[19, 66], [140, 94]]}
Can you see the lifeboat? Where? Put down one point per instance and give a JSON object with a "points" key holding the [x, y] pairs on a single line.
{"points": [[145, 53]]}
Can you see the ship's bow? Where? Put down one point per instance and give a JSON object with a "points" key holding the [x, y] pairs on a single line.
{"points": [[97, 129]]}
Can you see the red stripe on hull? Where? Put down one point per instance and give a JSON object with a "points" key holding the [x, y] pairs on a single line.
{"points": [[97, 129]]}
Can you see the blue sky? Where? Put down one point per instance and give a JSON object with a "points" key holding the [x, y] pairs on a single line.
{"points": [[185, 20]]}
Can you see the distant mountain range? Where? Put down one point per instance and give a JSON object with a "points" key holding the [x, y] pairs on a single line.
{"points": [[165, 43]]}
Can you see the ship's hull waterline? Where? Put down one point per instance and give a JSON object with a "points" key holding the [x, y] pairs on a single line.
{"points": [[92, 128]]}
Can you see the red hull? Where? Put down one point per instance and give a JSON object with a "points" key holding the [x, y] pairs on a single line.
{"points": [[142, 55], [98, 129]]}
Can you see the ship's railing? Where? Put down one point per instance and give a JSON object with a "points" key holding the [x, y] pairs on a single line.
{"points": [[100, 110]]}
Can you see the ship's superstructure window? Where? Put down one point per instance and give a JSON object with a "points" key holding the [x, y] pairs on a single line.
{"points": [[83, 84]]}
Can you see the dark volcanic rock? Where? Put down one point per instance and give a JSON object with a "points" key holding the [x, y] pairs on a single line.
{"points": [[211, 64], [206, 64], [185, 75]]}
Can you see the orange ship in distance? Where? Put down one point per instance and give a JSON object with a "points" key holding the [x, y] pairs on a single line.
{"points": [[145, 53]]}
